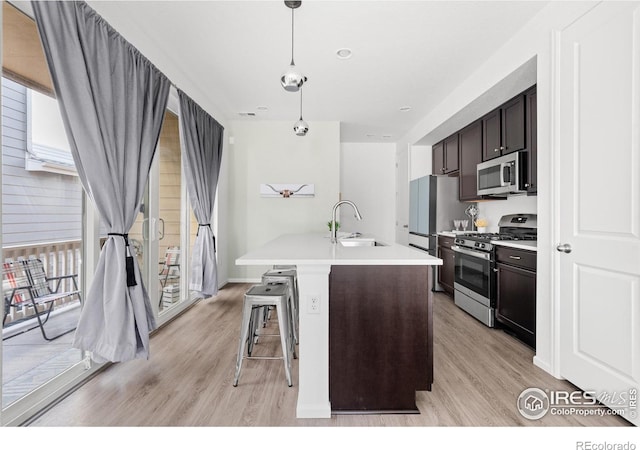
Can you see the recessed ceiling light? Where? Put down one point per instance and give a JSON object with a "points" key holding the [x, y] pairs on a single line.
{"points": [[344, 53], [405, 108], [249, 114], [386, 136], [371, 135], [262, 108]]}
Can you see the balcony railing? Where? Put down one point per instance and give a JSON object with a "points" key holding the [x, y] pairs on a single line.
{"points": [[59, 258]]}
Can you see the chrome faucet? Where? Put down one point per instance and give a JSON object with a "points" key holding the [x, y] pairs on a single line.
{"points": [[334, 229]]}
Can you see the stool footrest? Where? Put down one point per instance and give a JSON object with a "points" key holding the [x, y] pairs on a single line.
{"points": [[263, 357]]}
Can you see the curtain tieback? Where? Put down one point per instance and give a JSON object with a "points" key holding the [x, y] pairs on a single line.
{"points": [[131, 275], [208, 225]]}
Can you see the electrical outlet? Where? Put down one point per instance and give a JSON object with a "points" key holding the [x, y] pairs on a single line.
{"points": [[314, 304]]}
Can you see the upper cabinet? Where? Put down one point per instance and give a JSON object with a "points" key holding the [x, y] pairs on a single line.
{"points": [[491, 135], [470, 155], [511, 127], [445, 156], [437, 167], [451, 154], [532, 140], [504, 129]]}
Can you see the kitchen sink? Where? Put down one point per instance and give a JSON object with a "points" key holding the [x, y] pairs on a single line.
{"points": [[361, 242]]}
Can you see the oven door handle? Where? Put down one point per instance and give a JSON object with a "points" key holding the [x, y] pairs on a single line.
{"points": [[464, 251]]}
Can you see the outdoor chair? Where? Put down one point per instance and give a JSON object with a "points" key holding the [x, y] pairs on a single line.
{"points": [[170, 270], [25, 282]]}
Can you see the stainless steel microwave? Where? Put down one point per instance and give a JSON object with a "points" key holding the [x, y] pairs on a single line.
{"points": [[504, 175]]}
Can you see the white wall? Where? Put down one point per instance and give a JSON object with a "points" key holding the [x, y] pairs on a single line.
{"points": [[420, 161], [269, 152], [367, 178], [493, 210]]}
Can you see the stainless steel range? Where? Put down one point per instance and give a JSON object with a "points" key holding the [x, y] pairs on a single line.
{"points": [[475, 279]]}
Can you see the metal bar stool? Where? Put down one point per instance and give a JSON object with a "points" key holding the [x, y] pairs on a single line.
{"points": [[267, 314], [291, 278], [257, 297]]}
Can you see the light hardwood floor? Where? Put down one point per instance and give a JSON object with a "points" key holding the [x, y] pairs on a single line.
{"points": [[479, 373]]}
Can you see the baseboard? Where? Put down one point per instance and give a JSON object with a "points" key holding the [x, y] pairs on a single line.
{"points": [[546, 367], [313, 411]]}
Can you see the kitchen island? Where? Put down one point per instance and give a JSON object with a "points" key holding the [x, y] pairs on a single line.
{"points": [[391, 283]]}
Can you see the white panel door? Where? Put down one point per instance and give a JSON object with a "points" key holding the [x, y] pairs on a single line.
{"points": [[402, 196], [599, 217]]}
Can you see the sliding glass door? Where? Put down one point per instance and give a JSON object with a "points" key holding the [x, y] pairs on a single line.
{"points": [[42, 223], [170, 248], [158, 232]]}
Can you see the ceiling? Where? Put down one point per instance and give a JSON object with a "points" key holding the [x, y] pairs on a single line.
{"points": [[405, 53]]}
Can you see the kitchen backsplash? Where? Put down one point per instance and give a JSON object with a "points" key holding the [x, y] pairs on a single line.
{"points": [[494, 210]]}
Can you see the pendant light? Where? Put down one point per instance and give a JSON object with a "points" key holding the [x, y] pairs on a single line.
{"points": [[292, 79], [301, 127]]}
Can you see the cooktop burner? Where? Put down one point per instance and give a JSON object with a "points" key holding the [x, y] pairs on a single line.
{"points": [[485, 237]]}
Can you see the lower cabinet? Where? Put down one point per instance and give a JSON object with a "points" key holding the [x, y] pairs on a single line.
{"points": [[446, 272], [516, 292]]}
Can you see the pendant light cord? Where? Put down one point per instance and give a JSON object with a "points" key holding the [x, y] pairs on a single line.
{"points": [[292, 37], [300, 103]]}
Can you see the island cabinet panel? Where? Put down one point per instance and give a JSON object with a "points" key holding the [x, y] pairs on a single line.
{"points": [[380, 338]]}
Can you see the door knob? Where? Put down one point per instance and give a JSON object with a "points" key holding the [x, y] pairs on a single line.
{"points": [[565, 248]]}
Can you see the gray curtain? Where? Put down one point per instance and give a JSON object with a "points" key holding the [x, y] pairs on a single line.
{"points": [[201, 137], [112, 102]]}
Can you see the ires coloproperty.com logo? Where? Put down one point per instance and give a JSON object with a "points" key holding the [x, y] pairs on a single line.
{"points": [[534, 403]]}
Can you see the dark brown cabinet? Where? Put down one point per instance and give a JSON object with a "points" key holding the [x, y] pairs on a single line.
{"points": [[438, 159], [380, 338], [445, 156], [513, 125], [446, 272], [516, 292], [451, 154], [491, 135], [509, 128], [532, 140], [504, 129], [470, 155]]}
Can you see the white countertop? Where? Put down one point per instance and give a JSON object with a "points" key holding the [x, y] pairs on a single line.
{"points": [[453, 233], [317, 249], [523, 245]]}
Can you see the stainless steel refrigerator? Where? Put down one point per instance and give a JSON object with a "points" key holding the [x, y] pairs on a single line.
{"points": [[433, 206]]}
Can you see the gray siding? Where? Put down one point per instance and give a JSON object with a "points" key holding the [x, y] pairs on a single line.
{"points": [[36, 206]]}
